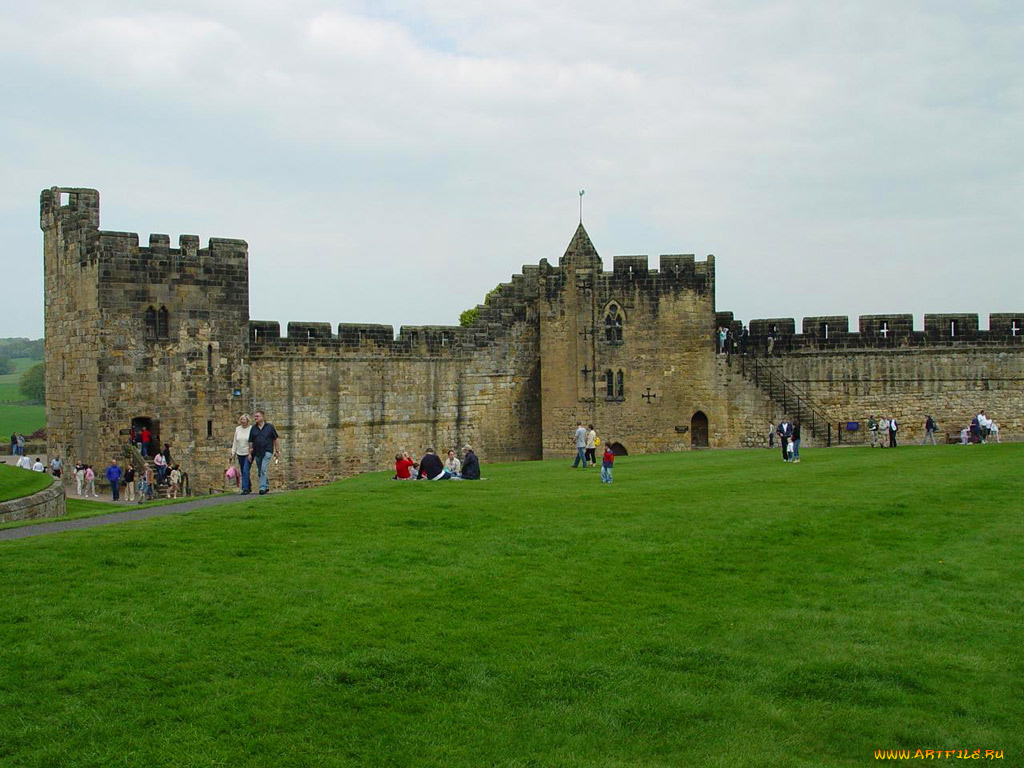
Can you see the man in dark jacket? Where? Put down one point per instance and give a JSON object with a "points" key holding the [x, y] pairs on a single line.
{"points": [[432, 468], [470, 464]]}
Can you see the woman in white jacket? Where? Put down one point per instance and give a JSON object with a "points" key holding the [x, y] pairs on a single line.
{"points": [[240, 450]]}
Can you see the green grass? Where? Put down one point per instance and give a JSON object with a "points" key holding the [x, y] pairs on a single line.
{"points": [[16, 482], [15, 414], [712, 608]]}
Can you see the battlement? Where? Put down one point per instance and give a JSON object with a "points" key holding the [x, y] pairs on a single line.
{"points": [[303, 338], [886, 331]]}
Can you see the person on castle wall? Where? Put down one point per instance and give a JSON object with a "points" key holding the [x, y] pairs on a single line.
{"points": [[431, 467], [929, 430], [721, 339], [893, 429], [129, 482], [403, 465], [240, 452], [873, 430], [769, 345], [785, 433], [161, 467], [263, 445], [452, 464], [796, 441], [580, 438], [470, 464], [590, 454], [113, 475], [145, 437], [744, 340], [730, 342]]}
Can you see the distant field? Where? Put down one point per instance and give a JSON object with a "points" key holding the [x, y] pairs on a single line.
{"points": [[718, 609], [15, 414], [20, 418]]}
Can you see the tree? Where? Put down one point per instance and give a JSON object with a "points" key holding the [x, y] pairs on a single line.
{"points": [[468, 317], [33, 383], [6, 366]]}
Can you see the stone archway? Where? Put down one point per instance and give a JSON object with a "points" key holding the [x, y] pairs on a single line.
{"points": [[618, 449], [699, 430]]}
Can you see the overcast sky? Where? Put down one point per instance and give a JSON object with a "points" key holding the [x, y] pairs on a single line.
{"points": [[391, 162]]}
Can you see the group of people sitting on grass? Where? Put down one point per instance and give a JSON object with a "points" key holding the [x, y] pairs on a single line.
{"points": [[431, 466]]}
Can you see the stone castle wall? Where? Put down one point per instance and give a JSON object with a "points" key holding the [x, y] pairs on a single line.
{"points": [[632, 351]]}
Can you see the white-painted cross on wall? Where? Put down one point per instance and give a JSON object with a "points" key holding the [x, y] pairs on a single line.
{"points": [[1014, 328], [884, 330]]}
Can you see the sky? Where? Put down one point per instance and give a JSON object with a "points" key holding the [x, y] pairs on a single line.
{"points": [[391, 162]]}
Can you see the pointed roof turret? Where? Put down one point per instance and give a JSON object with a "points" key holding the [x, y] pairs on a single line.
{"points": [[581, 251]]}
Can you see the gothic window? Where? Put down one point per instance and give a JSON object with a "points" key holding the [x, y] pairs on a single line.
{"points": [[609, 377], [150, 323], [620, 385], [613, 324], [161, 323]]}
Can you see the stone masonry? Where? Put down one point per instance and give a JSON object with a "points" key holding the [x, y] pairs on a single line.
{"points": [[162, 336]]}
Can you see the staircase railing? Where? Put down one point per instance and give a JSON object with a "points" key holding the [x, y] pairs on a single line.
{"points": [[780, 389]]}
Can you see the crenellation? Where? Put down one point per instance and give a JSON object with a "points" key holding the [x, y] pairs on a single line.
{"points": [[950, 328], [307, 332]]}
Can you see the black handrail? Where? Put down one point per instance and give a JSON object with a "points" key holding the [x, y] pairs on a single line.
{"points": [[766, 376]]}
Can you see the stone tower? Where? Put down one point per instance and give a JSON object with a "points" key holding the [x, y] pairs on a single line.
{"points": [[154, 336]]}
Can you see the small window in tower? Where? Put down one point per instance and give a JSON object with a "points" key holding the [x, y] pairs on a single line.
{"points": [[162, 323], [209, 358], [620, 385], [209, 428], [150, 323], [613, 324], [609, 377]]}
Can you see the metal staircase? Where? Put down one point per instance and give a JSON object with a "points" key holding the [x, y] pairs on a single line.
{"points": [[787, 396]]}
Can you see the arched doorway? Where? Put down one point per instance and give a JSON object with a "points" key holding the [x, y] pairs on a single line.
{"points": [[619, 449], [699, 430]]}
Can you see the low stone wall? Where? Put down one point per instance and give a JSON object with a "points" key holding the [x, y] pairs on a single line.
{"points": [[48, 503]]}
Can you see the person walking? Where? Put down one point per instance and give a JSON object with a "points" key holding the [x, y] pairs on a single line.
{"points": [[796, 441], [580, 437], [145, 438], [929, 430], [175, 482], [129, 482], [161, 467], [240, 452], [263, 445], [590, 454], [79, 477], [873, 430], [113, 475], [893, 429], [90, 482], [56, 466]]}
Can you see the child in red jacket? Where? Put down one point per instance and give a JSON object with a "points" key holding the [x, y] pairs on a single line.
{"points": [[606, 465]]}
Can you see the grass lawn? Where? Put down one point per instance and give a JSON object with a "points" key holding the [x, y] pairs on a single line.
{"points": [[16, 482], [20, 417], [712, 608]]}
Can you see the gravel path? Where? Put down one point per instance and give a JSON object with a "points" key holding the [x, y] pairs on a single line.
{"points": [[59, 526]]}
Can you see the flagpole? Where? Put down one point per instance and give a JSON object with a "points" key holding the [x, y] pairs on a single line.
{"points": [[582, 193]]}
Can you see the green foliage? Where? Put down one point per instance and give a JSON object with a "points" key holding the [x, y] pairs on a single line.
{"points": [[21, 347], [19, 417], [6, 366], [33, 383], [467, 318], [708, 608]]}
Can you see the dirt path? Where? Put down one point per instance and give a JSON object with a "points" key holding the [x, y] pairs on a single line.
{"points": [[59, 526]]}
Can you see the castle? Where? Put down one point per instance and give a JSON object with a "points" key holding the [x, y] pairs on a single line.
{"points": [[162, 337]]}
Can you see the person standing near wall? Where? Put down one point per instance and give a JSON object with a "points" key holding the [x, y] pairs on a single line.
{"points": [[785, 433], [240, 452], [929, 430], [591, 452], [580, 436], [893, 429], [262, 446], [113, 475], [873, 429]]}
